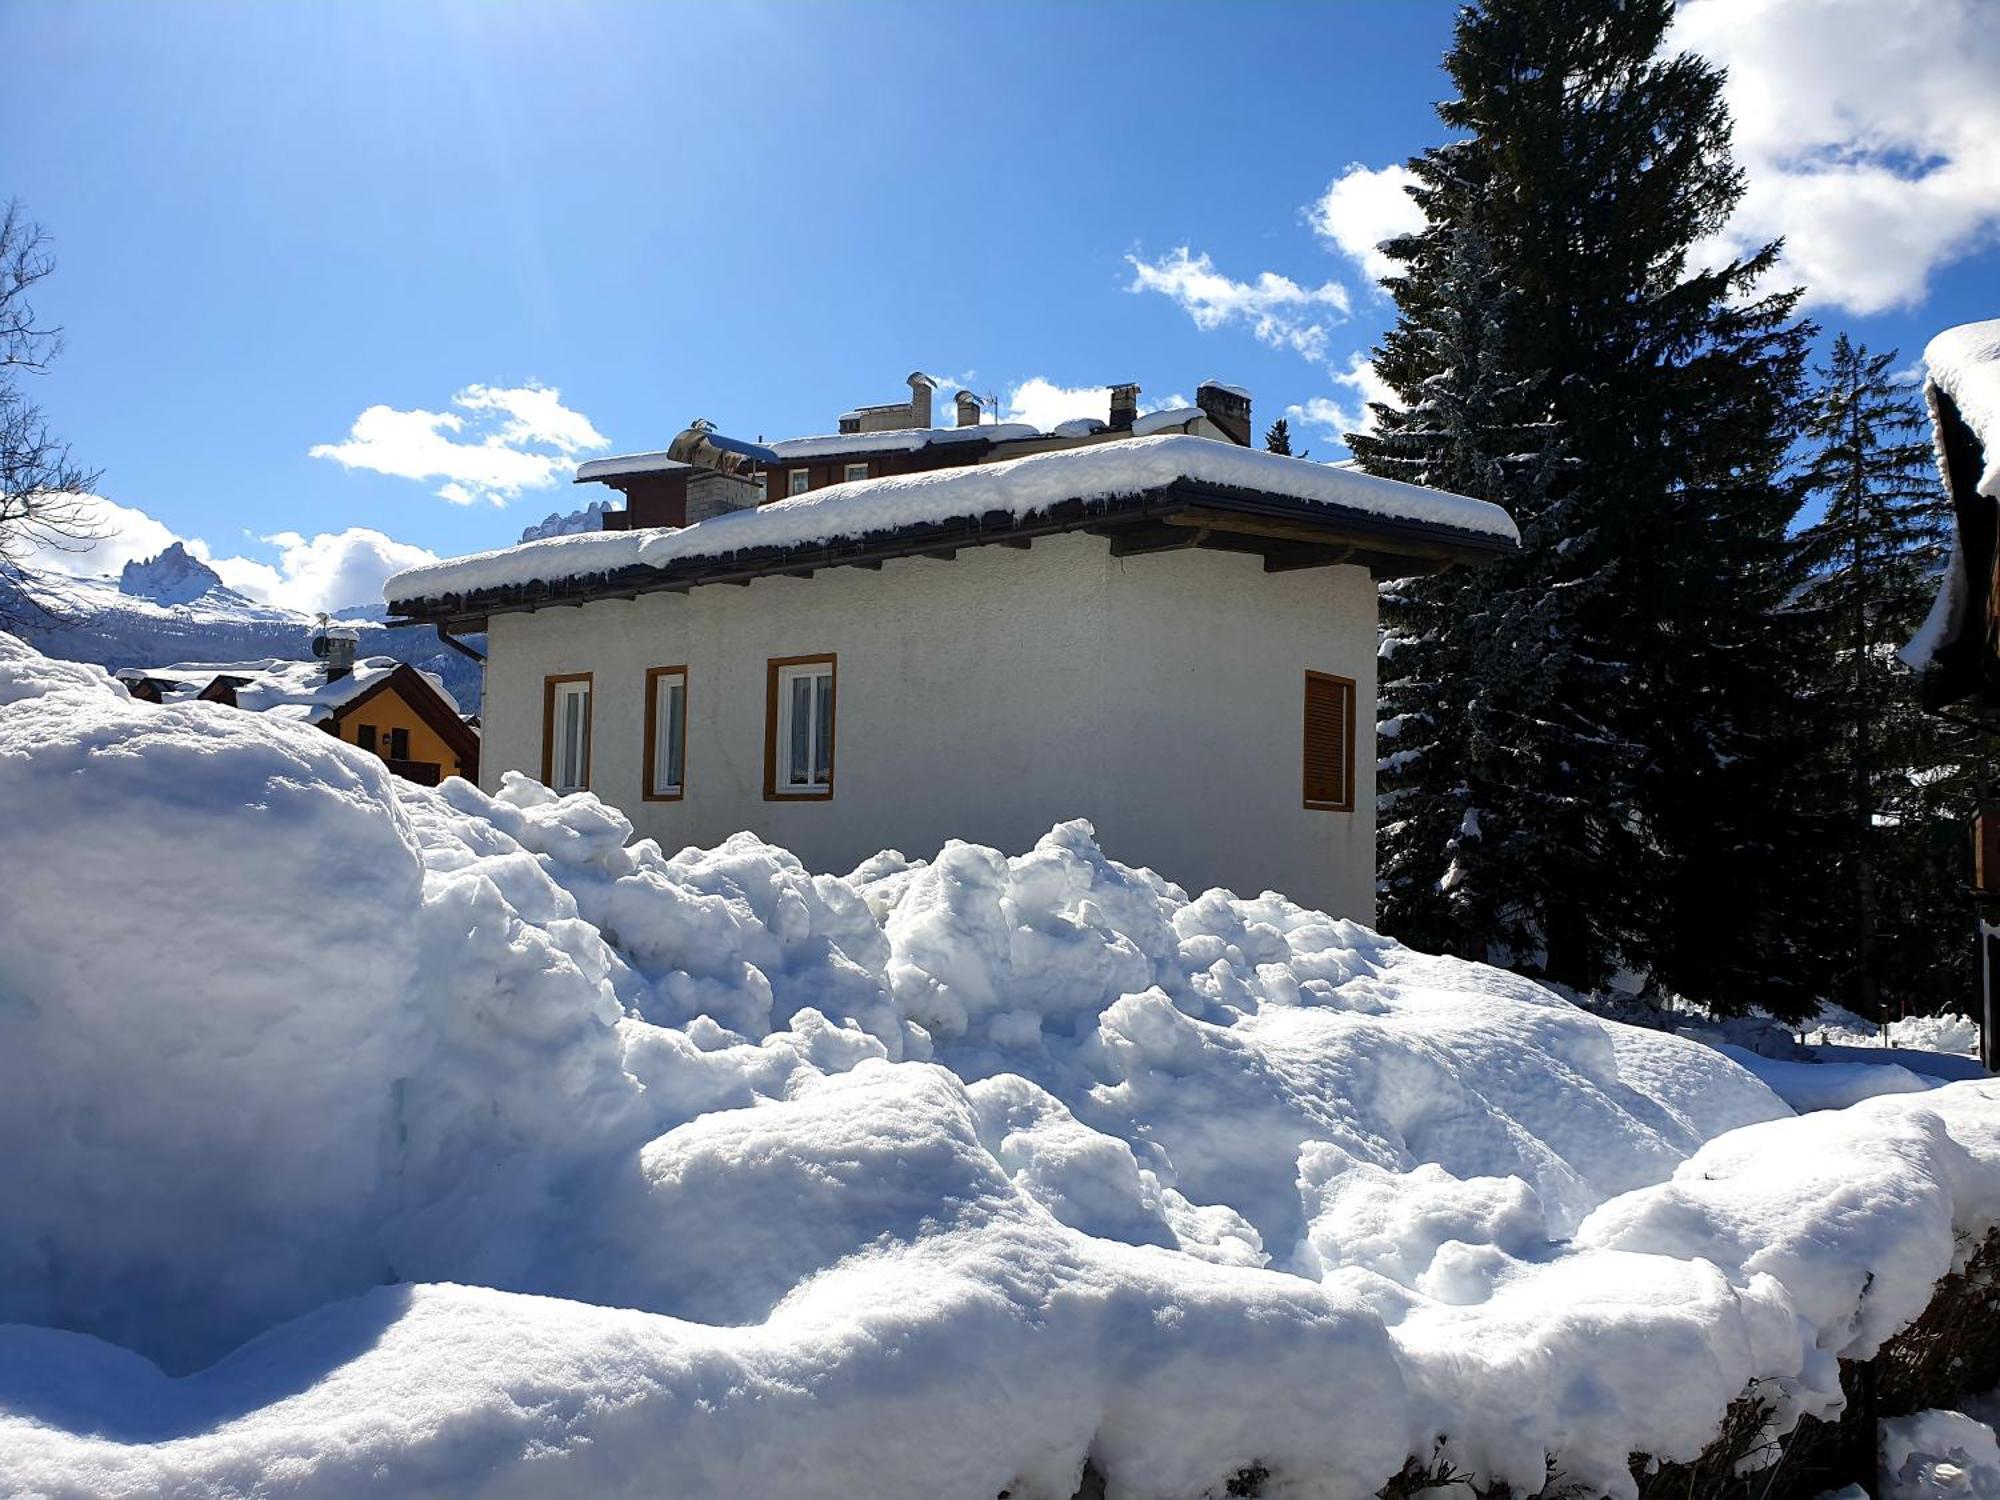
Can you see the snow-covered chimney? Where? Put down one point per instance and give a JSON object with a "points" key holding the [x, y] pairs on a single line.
{"points": [[1228, 407], [335, 645], [968, 409], [921, 386], [1124, 406]]}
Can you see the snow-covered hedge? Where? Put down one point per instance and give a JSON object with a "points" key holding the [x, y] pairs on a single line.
{"points": [[365, 1139]]}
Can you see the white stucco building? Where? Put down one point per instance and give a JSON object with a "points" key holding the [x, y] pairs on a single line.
{"points": [[1171, 636]]}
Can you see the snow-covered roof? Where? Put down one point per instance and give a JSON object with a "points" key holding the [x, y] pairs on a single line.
{"points": [[1963, 385], [289, 689], [627, 463], [1017, 488], [1228, 390], [1160, 421], [897, 440]]}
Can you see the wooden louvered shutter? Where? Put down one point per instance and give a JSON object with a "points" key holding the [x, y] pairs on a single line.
{"points": [[1329, 743]]}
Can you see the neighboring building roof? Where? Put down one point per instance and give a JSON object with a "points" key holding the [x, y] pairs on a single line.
{"points": [[1956, 647], [1153, 492], [1161, 421], [626, 463], [897, 440]]}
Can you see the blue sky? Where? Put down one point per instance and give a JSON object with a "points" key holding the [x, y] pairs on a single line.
{"points": [[272, 219]]}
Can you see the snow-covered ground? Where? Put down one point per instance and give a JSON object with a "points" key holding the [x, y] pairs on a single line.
{"points": [[368, 1139]]}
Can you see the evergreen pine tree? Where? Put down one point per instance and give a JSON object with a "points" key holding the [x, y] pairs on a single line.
{"points": [[1637, 676], [1278, 439], [1874, 556]]}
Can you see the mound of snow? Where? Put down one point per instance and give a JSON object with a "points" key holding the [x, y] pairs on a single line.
{"points": [[369, 1138]]}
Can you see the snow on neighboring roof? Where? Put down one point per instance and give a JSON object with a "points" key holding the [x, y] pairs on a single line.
{"points": [[290, 689], [1080, 427], [1230, 390], [1159, 421], [1964, 364], [897, 440], [1018, 487], [629, 463], [1964, 370]]}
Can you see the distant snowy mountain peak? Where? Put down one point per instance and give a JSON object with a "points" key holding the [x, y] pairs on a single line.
{"points": [[175, 576]]}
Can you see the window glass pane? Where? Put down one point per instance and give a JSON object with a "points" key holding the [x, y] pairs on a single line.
{"points": [[798, 764], [823, 730], [572, 750], [673, 710]]}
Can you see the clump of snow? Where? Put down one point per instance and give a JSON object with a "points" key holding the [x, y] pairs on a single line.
{"points": [[531, 1159], [1939, 1455], [555, 523], [1018, 487]]}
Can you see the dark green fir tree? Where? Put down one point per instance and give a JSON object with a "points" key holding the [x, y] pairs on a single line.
{"points": [[1897, 861], [1634, 702], [1278, 438]]}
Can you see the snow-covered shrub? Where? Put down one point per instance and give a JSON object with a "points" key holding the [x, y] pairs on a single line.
{"points": [[539, 1161]]}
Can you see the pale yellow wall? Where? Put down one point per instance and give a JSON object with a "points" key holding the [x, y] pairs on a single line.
{"points": [[387, 710]]}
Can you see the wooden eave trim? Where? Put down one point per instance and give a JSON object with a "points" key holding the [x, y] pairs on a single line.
{"points": [[1222, 511]]}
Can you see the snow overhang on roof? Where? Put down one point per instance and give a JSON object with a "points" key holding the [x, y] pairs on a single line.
{"points": [[896, 440], [1952, 648], [598, 470], [1144, 494]]}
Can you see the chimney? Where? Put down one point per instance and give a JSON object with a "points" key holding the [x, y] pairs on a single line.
{"points": [[334, 645], [1228, 407], [921, 386], [1124, 406], [968, 409]]}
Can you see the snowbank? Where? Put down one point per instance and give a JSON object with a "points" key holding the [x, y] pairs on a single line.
{"points": [[1018, 487], [372, 1139]]}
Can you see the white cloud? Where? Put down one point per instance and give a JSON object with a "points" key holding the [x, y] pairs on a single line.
{"points": [[1043, 403], [329, 571], [1277, 309], [1869, 131], [1362, 207], [1335, 417], [510, 439]]}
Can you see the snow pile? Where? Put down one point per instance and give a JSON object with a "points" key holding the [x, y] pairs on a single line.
{"points": [[1018, 487], [532, 1160]]}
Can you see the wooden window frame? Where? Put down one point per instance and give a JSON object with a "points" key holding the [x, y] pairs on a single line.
{"points": [[850, 476], [1347, 687], [549, 685], [774, 670], [649, 792], [793, 475]]}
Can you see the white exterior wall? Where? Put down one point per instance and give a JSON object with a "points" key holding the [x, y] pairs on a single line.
{"points": [[986, 698]]}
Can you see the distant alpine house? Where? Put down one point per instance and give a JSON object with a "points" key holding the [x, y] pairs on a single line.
{"points": [[898, 634]]}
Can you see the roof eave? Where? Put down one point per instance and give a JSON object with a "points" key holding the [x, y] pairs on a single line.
{"points": [[1209, 515]]}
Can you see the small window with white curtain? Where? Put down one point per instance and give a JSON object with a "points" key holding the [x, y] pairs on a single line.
{"points": [[666, 734], [856, 471], [801, 481], [798, 760], [566, 732]]}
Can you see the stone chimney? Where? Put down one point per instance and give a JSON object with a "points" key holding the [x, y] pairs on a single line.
{"points": [[968, 409], [1228, 407], [335, 645], [1124, 407], [921, 386]]}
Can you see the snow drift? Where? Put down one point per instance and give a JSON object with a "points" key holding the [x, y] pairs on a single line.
{"points": [[369, 1139]]}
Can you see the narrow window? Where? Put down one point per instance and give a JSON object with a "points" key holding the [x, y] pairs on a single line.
{"points": [[801, 481], [666, 734], [763, 488], [856, 471], [798, 730], [364, 736], [566, 732], [1329, 743], [399, 744]]}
